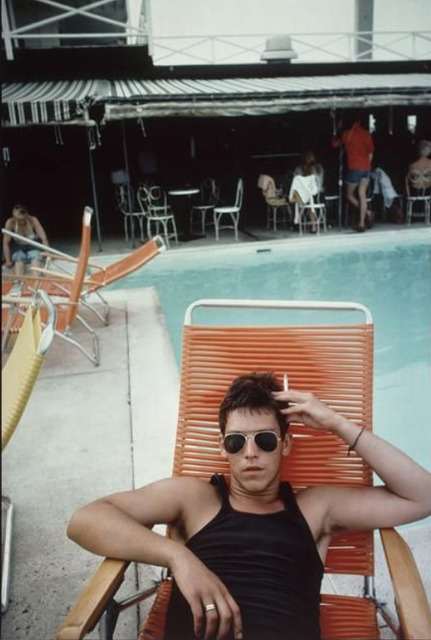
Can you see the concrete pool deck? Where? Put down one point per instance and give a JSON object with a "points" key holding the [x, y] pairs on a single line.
{"points": [[97, 431]]}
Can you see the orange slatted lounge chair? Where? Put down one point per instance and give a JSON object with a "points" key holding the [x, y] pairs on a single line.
{"points": [[67, 310], [97, 276], [335, 361], [19, 376]]}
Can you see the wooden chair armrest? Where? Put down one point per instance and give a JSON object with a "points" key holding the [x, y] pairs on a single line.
{"points": [[410, 597], [92, 601]]}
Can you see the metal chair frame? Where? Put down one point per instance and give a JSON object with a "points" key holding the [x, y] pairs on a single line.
{"points": [[418, 192], [122, 192], [233, 212], [209, 199], [153, 203], [67, 310], [317, 208]]}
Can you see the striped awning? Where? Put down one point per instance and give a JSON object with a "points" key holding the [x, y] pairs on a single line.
{"points": [[64, 102], [259, 96], [70, 102]]}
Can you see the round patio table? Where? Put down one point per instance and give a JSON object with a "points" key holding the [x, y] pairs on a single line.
{"points": [[184, 211]]}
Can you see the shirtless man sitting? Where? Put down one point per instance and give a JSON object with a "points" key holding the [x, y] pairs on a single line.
{"points": [[247, 557]]}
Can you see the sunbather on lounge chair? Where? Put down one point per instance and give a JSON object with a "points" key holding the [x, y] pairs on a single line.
{"points": [[237, 552]]}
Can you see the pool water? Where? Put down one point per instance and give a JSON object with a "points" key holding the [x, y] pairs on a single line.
{"points": [[389, 273]]}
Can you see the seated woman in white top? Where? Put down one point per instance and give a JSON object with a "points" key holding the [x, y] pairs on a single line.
{"points": [[309, 166]]}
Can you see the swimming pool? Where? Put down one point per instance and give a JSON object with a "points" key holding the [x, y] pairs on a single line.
{"points": [[389, 272]]}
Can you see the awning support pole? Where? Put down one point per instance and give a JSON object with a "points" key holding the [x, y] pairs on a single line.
{"points": [[129, 191], [340, 188], [95, 202], [6, 31]]}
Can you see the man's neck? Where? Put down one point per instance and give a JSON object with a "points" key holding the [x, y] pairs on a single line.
{"points": [[265, 501]]}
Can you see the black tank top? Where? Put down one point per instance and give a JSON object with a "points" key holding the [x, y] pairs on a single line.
{"points": [[268, 562]]}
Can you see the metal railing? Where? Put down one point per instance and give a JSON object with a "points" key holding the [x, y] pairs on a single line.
{"points": [[48, 27], [310, 47]]}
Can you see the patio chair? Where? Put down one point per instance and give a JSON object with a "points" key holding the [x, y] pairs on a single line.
{"points": [[209, 199], [19, 376], [67, 310], [335, 361], [154, 206], [233, 212], [310, 207], [125, 199], [418, 193], [97, 276], [275, 203]]}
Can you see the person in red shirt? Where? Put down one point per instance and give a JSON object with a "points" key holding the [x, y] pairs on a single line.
{"points": [[359, 147]]}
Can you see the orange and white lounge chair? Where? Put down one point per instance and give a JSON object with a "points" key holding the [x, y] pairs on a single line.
{"points": [[335, 361], [19, 376], [13, 310], [58, 282]]}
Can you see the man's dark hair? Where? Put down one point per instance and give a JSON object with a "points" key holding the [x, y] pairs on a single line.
{"points": [[253, 392], [358, 116]]}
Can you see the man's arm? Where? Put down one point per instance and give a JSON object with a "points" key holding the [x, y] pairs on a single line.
{"points": [[119, 526], [370, 148], [40, 231], [406, 495], [337, 138], [6, 247]]}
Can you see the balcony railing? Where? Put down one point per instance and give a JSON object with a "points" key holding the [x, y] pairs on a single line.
{"points": [[310, 47], [114, 26]]}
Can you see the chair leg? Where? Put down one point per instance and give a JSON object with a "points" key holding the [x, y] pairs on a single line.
{"points": [[174, 226], [126, 233], [141, 226], [216, 221], [166, 232], [93, 357], [204, 213], [7, 523], [300, 214], [235, 219]]}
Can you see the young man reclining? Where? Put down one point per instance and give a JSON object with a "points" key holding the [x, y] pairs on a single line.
{"points": [[247, 557]]}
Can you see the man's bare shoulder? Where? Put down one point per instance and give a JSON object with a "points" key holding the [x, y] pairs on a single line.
{"points": [[188, 493], [182, 484], [9, 224]]}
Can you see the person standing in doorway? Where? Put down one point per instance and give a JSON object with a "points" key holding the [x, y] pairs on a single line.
{"points": [[359, 147]]}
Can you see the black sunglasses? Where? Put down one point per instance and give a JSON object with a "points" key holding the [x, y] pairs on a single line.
{"points": [[265, 440]]}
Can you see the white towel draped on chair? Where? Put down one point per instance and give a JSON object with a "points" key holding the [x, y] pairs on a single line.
{"points": [[302, 190], [383, 185]]}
